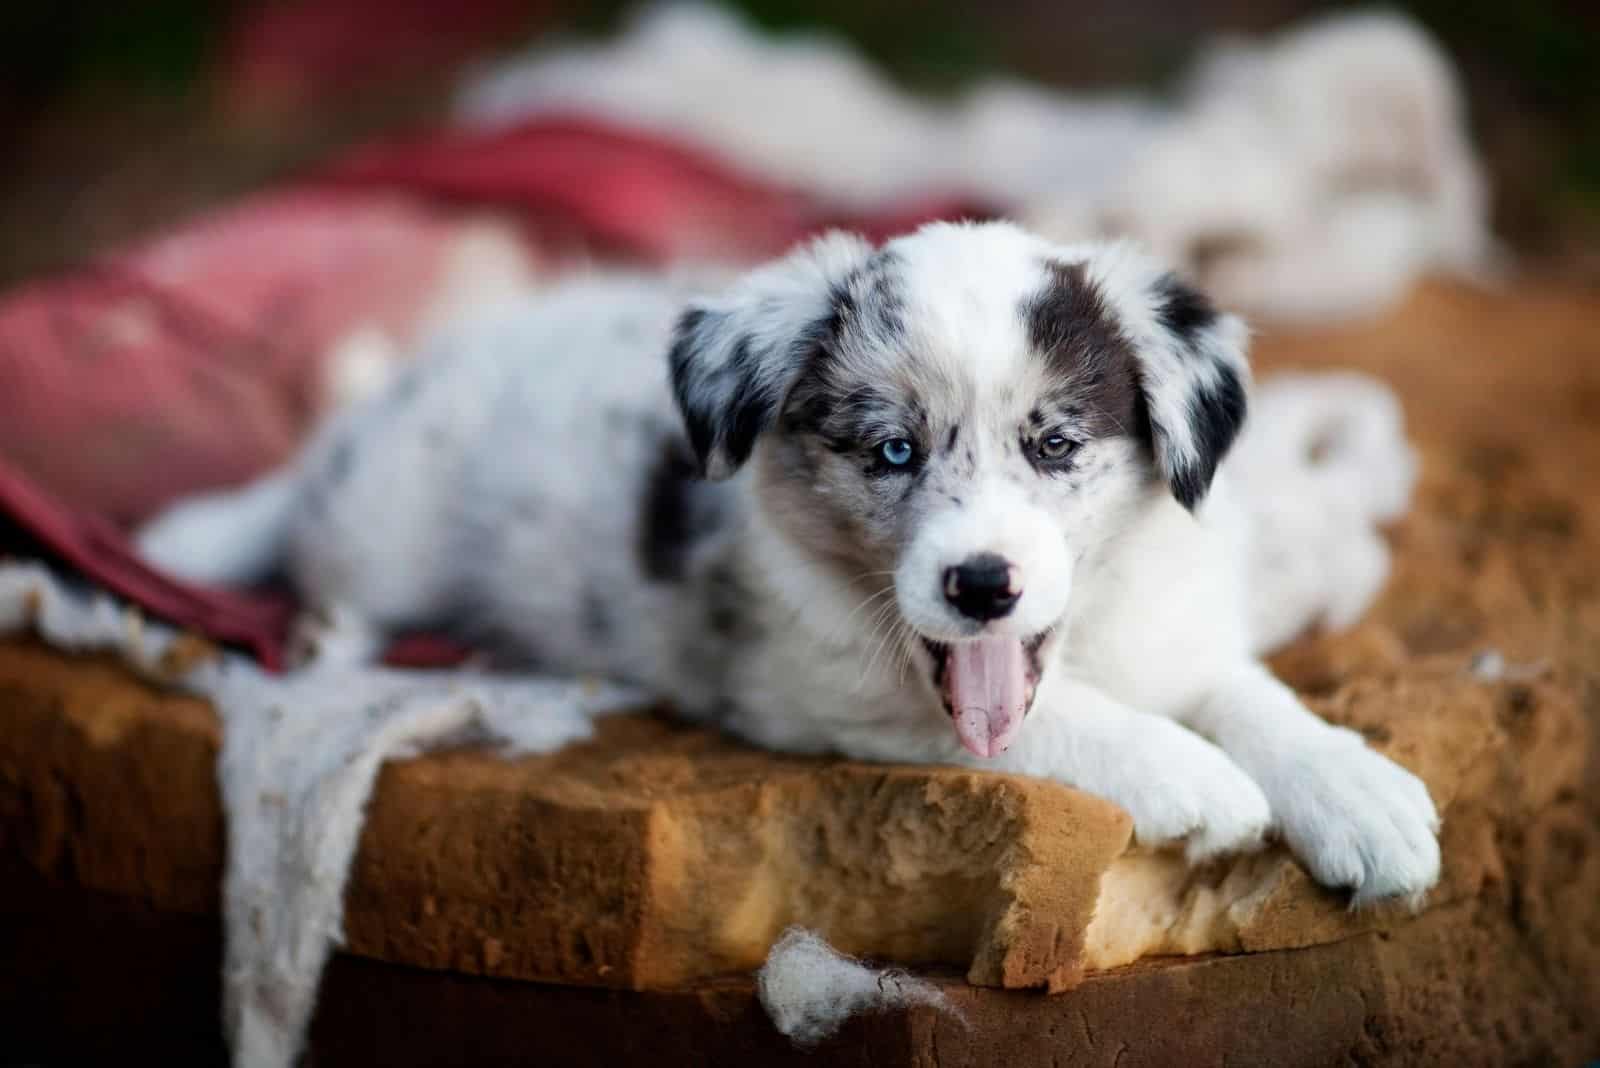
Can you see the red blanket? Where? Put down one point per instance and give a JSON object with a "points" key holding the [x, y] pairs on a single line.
{"points": [[194, 359]]}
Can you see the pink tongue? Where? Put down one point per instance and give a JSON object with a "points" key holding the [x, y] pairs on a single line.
{"points": [[986, 682]]}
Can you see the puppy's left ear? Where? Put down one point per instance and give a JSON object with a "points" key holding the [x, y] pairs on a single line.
{"points": [[735, 356], [1194, 376]]}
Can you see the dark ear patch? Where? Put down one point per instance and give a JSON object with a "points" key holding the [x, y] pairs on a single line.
{"points": [[1216, 412], [1216, 409], [1194, 380], [698, 417], [751, 405], [726, 407], [734, 356], [1181, 309]]}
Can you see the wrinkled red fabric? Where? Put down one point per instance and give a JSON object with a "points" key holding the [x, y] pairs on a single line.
{"points": [[33, 523], [627, 192], [194, 359]]}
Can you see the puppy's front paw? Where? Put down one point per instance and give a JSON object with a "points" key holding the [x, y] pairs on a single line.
{"points": [[1357, 819], [1178, 787]]}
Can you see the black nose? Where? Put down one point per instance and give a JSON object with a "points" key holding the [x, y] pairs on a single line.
{"points": [[982, 587]]}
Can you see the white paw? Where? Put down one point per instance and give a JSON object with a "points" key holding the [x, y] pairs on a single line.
{"points": [[1358, 820], [1178, 787]]}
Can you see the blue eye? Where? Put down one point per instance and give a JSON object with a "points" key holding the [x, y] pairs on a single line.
{"points": [[896, 452]]}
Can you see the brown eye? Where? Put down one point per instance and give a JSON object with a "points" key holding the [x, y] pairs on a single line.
{"points": [[1056, 447]]}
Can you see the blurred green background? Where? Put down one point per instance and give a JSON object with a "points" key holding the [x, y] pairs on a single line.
{"points": [[118, 118]]}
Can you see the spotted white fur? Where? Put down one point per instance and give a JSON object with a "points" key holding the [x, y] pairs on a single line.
{"points": [[529, 485]]}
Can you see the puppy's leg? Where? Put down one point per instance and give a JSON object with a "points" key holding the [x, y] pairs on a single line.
{"points": [[230, 538], [1354, 818], [1321, 465], [1177, 786]]}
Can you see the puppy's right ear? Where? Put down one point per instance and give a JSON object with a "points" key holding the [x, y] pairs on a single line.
{"points": [[734, 356]]}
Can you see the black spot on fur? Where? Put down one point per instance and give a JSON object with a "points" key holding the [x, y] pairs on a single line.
{"points": [[406, 387], [596, 619], [725, 601], [341, 461], [950, 442], [868, 299], [1181, 309], [678, 511], [887, 300], [1216, 412]]}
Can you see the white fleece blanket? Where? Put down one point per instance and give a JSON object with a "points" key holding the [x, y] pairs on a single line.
{"points": [[1311, 174], [300, 755], [1323, 461]]}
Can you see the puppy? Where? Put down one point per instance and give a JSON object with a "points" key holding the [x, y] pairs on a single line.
{"points": [[967, 503]]}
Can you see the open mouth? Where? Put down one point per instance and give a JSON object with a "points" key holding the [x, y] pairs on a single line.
{"points": [[987, 686]]}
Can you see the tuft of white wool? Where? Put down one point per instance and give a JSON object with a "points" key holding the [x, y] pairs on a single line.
{"points": [[78, 619], [810, 989], [299, 759], [300, 754], [1311, 174], [1490, 665], [1325, 168]]}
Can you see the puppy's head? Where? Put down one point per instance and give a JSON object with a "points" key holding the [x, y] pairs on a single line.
{"points": [[962, 415]]}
